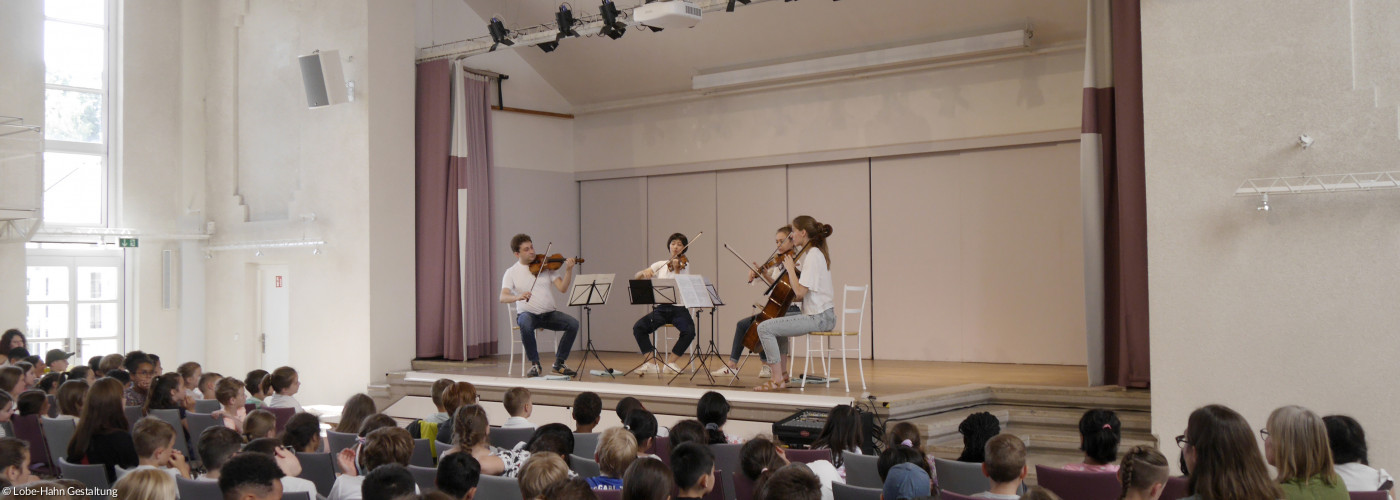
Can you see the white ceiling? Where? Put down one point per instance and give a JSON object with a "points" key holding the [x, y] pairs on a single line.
{"points": [[597, 69]]}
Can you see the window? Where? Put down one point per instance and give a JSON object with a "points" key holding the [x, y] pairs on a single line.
{"points": [[72, 301], [77, 112]]}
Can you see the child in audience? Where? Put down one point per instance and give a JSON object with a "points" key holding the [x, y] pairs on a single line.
{"points": [[1143, 472], [977, 429], [907, 481], [57, 360], [166, 394], [588, 410], [1348, 442], [647, 479], [642, 425], [713, 412], [554, 438], [49, 382], [155, 360], [441, 415], [285, 384], [102, 436], [1295, 443], [471, 435], [286, 461], [216, 446], [252, 475], [33, 402], [208, 385], [688, 431], [572, 489], [455, 396], [302, 433], [30, 378], [1222, 458], [617, 449], [142, 370], [154, 440], [357, 409], [7, 410], [906, 434], [70, 399], [110, 362], [122, 376], [539, 472], [12, 380], [1039, 493], [626, 405], [145, 484], [258, 424], [253, 384], [233, 411], [389, 482], [375, 422], [14, 462], [1099, 433], [899, 454], [518, 405], [390, 445], [190, 375], [1005, 466], [458, 475], [791, 482], [762, 454], [80, 372], [841, 432], [693, 468]]}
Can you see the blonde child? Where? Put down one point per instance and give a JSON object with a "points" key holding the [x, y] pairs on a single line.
{"points": [[154, 440]]}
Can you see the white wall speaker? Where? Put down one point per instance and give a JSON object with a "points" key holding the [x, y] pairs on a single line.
{"points": [[323, 78]]}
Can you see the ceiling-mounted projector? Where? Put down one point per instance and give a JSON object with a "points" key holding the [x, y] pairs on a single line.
{"points": [[667, 15]]}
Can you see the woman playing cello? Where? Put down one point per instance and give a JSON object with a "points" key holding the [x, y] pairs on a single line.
{"points": [[813, 288]]}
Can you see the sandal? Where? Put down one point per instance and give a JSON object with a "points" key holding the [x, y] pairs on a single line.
{"points": [[771, 385]]}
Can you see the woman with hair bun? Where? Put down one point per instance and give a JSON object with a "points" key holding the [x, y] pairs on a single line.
{"points": [[1099, 434], [811, 284]]}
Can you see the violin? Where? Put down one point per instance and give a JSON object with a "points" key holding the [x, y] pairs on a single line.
{"points": [[678, 264], [777, 260], [552, 263]]}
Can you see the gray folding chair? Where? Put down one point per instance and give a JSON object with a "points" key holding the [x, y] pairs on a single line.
{"points": [[133, 413], [846, 492], [584, 467], [207, 405], [508, 438], [585, 444], [336, 441], [319, 468], [425, 477], [296, 495], [422, 454], [198, 423], [53, 406], [192, 489], [172, 417], [57, 433], [727, 458], [498, 488], [861, 470], [964, 478], [93, 476]]}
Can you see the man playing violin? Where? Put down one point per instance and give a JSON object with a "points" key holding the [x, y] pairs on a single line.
{"points": [[771, 273], [665, 313], [535, 304]]}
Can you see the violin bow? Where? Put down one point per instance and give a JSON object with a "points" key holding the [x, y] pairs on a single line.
{"points": [[537, 275], [750, 266], [687, 245]]}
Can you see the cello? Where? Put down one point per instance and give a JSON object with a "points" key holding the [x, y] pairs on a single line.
{"points": [[780, 296]]}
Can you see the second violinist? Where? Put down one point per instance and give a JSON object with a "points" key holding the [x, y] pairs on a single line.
{"points": [[666, 313]]}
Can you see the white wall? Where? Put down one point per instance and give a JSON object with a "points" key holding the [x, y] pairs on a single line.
{"points": [[22, 95], [1296, 306]]}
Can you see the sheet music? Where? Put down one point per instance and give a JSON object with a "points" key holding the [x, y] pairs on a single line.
{"points": [[692, 290]]}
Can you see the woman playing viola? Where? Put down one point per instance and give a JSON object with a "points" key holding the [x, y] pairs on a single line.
{"points": [[771, 273], [665, 313], [813, 288]]}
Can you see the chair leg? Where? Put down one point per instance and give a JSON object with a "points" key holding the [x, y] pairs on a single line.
{"points": [[845, 372], [860, 361], [806, 362], [510, 360]]}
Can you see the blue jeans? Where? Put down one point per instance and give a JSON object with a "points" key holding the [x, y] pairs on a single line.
{"points": [[661, 315], [553, 320], [742, 327], [791, 326]]}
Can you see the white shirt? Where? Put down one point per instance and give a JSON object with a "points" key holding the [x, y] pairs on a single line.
{"points": [[517, 423], [816, 276], [174, 474], [280, 401], [662, 271], [345, 488], [292, 484], [518, 279], [194, 394], [827, 473], [1361, 477]]}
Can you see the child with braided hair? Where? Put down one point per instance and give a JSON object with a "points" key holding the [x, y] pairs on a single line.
{"points": [[1143, 472]]}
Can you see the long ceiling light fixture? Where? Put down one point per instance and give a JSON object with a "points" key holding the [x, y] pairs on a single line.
{"points": [[908, 55]]}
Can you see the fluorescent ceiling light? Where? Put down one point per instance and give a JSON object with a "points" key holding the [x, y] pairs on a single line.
{"points": [[883, 58]]}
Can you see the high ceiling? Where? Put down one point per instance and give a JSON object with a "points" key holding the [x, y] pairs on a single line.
{"points": [[597, 69]]}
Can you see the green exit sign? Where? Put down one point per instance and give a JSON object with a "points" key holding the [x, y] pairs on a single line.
{"points": [[127, 242]]}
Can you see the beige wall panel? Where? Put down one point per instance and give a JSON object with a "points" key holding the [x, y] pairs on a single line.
{"points": [[750, 205], [681, 204], [838, 193], [613, 222]]}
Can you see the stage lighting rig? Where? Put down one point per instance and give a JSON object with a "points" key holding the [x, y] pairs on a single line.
{"points": [[565, 19], [612, 27], [730, 7], [499, 34]]}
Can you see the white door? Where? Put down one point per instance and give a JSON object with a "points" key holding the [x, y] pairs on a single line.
{"points": [[273, 307]]}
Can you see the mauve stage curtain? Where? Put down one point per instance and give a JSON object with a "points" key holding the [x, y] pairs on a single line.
{"points": [[1113, 119], [454, 152]]}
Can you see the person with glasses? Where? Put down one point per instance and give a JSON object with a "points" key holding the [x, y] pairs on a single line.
{"points": [[143, 370], [1222, 459], [1295, 443]]}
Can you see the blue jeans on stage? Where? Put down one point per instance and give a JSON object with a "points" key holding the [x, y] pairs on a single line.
{"points": [[742, 328], [553, 320], [774, 332], [663, 314]]}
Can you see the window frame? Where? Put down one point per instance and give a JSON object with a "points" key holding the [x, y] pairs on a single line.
{"points": [[73, 259], [104, 149]]}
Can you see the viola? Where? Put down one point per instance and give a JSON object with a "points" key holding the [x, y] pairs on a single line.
{"points": [[552, 263]]}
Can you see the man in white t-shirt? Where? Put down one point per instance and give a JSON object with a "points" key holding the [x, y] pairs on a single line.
{"points": [[665, 314], [535, 304]]}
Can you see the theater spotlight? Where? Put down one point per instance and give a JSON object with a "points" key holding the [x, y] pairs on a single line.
{"points": [[730, 7], [499, 33], [611, 25], [548, 46], [565, 19]]}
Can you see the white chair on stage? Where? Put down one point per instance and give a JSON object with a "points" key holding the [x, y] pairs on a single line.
{"points": [[823, 340], [515, 340]]}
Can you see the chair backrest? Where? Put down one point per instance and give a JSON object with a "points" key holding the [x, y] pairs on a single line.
{"points": [[93, 476], [422, 453], [296, 495], [585, 444], [336, 441], [1175, 489], [172, 417], [607, 494], [1079, 484], [508, 438], [190, 488], [846, 492], [743, 486], [846, 308], [510, 313], [726, 456], [1368, 495], [57, 433], [809, 456], [500, 488], [424, 477], [27, 429], [964, 478], [319, 468], [133, 413], [207, 405], [661, 447], [860, 470], [584, 467], [198, 423], [53, 406], [249, 407], [283, 415]]}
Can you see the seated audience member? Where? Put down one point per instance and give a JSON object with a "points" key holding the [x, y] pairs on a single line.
{"points": [[145, 484], [191, 374], [642, 425], [471, 434], [455, 396], [57, 360], [555, 438], [458, 475], [253, 384], [1005, 466], [907, 435], [647, 479], [896, 455], [142, 370], [693, 469], [154, 440], [94, 362], [302, 433], [12, 380], [110, 362], [122, 376], [626, 405], [14, 462], [1222, 458], [258, 424], [1039, 493], [70, 398], [166, 394], [713, 412], [286, 460], [232, 409], [17, 355], [1295, 443], [357, 409], [33, 402], [102, 436], [389, 482], [208, 386], [285, 385], [389, 445], [1143, 473], [617, 449], [49, 382], [906, 481], [155, 358], [688, 431], [841, 433], [977, 429], [251, 476], [1099, 434], [518, 405], [762, 454], [7, 409], [790, 482], [81, 372], [375, 422], [441, 414], [539, 472], [587, 411], [1348, 442], [572, 489], [216, 446]]}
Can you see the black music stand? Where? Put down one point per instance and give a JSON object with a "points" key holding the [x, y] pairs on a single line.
{"points": [[652, 292], [702, 294], [591, 290]]}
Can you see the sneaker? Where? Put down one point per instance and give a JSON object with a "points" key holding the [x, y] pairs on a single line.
{"points": [[534, 371], [647, 368], [672, 366], [563, 369], [765, 372], [723, 371]]}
